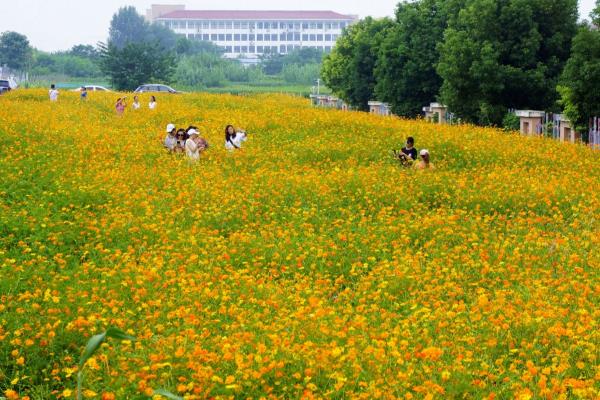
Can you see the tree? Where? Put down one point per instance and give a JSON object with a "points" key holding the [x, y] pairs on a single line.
{"points": [[15, 50], [405, 72], [135, 64], [127, 26], [595, 15], [85, 51], [580, 81], [501, 54], [350, 68]]}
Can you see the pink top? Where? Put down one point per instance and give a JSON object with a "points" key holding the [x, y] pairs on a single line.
{"points": [[120, 108]]}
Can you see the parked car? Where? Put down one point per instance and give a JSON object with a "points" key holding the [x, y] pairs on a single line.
{"points": [[7, 85], [92, 88], [4, 86], [155, 88]]}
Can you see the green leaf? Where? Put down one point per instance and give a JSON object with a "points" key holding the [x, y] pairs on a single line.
{"points": [[167, 394], [118, 334], [91, 347]]}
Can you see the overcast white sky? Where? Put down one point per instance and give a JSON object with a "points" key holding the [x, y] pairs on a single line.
{"points": [[54, 25]]}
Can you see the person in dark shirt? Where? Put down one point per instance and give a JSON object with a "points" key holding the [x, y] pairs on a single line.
{"points": [[410, 150]]}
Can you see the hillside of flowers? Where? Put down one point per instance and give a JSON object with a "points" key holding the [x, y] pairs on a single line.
{"points": [[308, 264]]}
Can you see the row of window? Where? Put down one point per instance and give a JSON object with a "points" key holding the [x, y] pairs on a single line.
{"points": [[283, 37], [174, 24], [269, 49]]}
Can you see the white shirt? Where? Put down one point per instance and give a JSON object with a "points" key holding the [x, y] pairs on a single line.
{"points": [[152, 105], [236, 141], [53, 94], [192, 150], [135, 105], [170, 142]]}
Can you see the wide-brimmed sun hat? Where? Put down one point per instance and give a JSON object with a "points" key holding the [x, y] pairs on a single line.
{"points": [[424, 152], [170, 128], [193, 132]]}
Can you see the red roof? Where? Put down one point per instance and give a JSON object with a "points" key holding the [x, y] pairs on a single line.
{"points": [[255, 15]]}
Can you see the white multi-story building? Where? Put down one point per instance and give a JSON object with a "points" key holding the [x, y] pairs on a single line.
{"points": [[250, 34]]}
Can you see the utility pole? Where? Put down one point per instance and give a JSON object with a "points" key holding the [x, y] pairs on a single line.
{"points": [[318, 85]]}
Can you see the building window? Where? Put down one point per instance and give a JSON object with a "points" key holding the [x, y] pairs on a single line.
{"points": [[273, 25], [244, 25], [273, 37], [228, 37], [290, 37], [259, 37], [328, 26], [290, 26], [305, 25], [236, 37], [290, 48], [281, 25], [251, 37], [334, 25], [296, 37], [205, 24], [228, 49], [335, 37], [236, 49], [221, 24], [319, 38], [320, 25], [313, 25], [259, 26], [251, 49], [313, 38], [244, 37], [273, 49], [221, 37], [304, 37], [342, 25], [328, 38], [236, 25], [244, 49], [259, 49], [213, 25], [205, 37], [228, 25], [282, 48], [328, 49], [252, 25], [297, 26], [214, 37]]}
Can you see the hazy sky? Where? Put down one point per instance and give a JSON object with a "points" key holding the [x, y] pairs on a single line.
{"points": [[54, 25]]}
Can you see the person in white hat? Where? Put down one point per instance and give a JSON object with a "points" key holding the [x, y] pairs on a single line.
{"points": [[171, 140], [194, 145], [425, 163]]}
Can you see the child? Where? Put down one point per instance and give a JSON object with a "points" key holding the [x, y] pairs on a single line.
{"points": [[83, 94], [53, 93]]}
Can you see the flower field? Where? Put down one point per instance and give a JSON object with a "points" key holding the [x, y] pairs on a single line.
{"points": [[306, 265]]}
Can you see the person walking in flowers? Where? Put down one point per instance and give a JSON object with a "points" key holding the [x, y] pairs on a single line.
{"points": [[120, 105], [195, 145], [425, 162]]}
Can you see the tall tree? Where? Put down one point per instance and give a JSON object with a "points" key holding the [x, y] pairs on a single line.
{"points": [[406, 74], [127, 26], [596, 14], [135, 64], [84, 51], [15, 50], [580, 83], [350, 68], [502, 54]]}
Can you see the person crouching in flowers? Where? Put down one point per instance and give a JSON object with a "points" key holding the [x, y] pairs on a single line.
{"points": [[425, 162], [180, 141], [170, 140], [195, 145]]}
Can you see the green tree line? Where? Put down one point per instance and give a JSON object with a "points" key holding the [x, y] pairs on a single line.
{"points": [[479, 57]]}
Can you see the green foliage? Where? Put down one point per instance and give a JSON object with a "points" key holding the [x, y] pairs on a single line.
{"points": [[406, 75], [127, 26], [136, 64], [187, 47], [167, 394], [65, 64], [202, 70], [85, 51], [596, 14], [580, 81], [92, 346], [511, 122], [501, 54], [350, 68], [295, 73], [15, 51], [274, 64]]}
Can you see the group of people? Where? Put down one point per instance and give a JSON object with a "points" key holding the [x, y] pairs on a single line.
{"points": [[409, 156], [122, 104], [189, 142]]}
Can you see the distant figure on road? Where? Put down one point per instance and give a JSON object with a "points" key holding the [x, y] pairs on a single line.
{"points": [[53, 93], [83, 94], [136, 103], [425, 163], [152, 104]]}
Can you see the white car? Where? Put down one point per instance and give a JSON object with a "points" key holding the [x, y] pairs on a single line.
{"points": [[92, 88]]}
